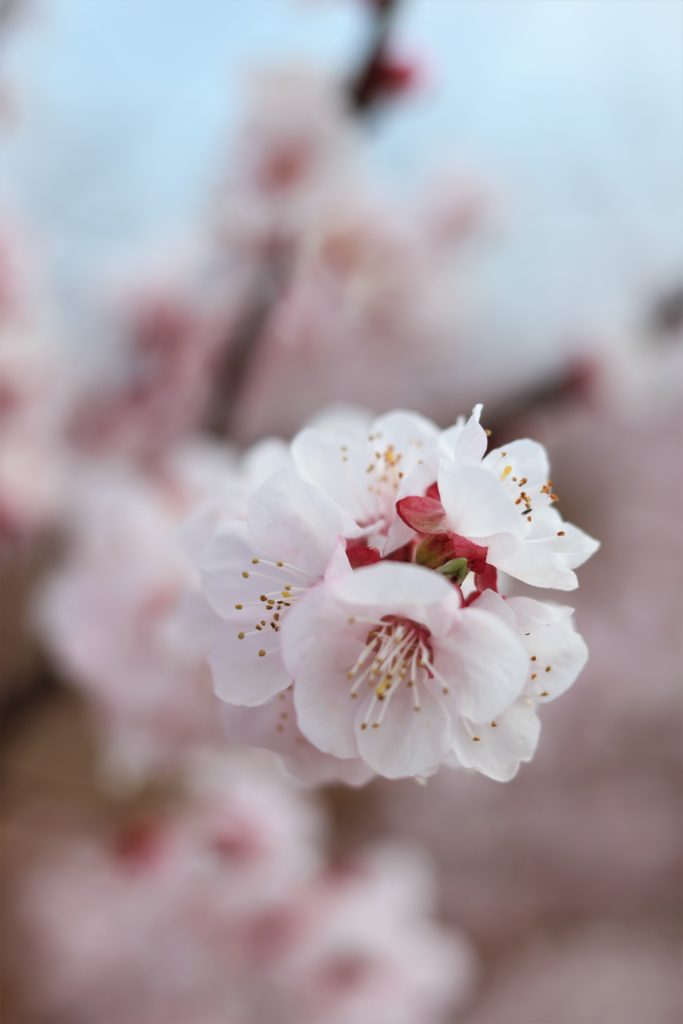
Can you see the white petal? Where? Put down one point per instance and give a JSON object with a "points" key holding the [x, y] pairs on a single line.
{"points": [[273, 726], [569, 542], [414, 436], [476, 503], [530, 614], [490, 601], [265, 458], [465, 443], [498, 749], [527, 458], [340, 474], [407, 742], [560, 653], [532, 562], [240, 674], [225, 558], [319, 647], [483, 664], [338, 564], [399, 588], [292, 521]]}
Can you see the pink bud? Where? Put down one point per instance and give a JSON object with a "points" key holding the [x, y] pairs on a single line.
{"points": [[424, 515]]}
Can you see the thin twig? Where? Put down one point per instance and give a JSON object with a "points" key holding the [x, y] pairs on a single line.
{"points": [[365, 87], [363, 92]]}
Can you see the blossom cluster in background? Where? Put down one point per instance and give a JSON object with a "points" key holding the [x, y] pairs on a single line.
{"points": [[229, 909]]}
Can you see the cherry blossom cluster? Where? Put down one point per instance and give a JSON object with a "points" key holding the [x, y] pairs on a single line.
{"points": [[358, 623], [228, 909]]}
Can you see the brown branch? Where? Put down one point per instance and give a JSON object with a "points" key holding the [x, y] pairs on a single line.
{"points": [[363, 92], [365, 88]]}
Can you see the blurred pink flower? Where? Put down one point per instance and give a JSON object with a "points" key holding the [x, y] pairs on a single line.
{"points": [[110, 613], [223, 912], [368, 280], [157, 391]]}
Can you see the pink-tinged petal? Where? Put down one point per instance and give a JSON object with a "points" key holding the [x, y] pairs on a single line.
{"points": [[532, 562], [482, 663], [320, 646], [290, 520], [424, 515], [273, 726], [225, 559], [415, 481], [359, 553], [241, 673], [496, 748], [465, 443], [336, 469], [476, 503], [402, 589], [559, 653], [407, 742], [526, 458]]}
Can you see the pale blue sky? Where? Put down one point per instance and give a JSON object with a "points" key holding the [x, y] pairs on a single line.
{"points": [[573, 108]]}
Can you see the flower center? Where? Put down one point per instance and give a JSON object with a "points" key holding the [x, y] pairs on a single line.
{"points": [[396, 652], [279, 594]]}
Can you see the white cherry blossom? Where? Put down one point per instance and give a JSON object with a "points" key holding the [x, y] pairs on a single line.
{"points": [[365, 471], [503, 502], [354, 622], [388, 663], [255, 571]]}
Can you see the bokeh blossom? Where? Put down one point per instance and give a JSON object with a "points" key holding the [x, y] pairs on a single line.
{"points": [[109, 612], [228, 909]]}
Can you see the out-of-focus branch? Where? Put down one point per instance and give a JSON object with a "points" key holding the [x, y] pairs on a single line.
{"points": [[365, 90], [665, 317], [233, 368], [366, 87]]}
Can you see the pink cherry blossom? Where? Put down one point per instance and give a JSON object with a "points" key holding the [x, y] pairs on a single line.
{"points": [[113, 613]]}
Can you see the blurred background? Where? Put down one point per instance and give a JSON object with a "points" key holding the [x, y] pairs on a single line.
{"points": [[216, 219]]}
